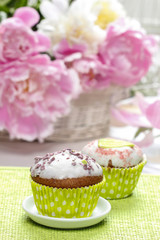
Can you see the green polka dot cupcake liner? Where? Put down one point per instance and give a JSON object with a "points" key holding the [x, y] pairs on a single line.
{"points": [[120, 183], [66, 203]]}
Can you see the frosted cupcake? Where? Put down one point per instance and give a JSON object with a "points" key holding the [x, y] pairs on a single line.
{"points": [[66, 184], [122, 163]]}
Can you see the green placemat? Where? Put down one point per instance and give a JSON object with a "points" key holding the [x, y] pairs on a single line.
{"points": [[136, 217]]}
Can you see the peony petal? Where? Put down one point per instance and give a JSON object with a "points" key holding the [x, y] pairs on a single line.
{"points": [[128, 118], [44, 42], [62, 4], [4, 119], [150, 110], [42, 59], [152, 114], [64, 50], [141, 102], [50, 11], [77, 89], [28, 15], [31, 128], [18, 71]]}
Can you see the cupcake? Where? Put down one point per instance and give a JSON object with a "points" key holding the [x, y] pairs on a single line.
{"points": [[122, 163], [66, 184]]}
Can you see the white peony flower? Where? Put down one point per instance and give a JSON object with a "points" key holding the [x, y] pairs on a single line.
{"points": [[55, 14], [83, 22]]}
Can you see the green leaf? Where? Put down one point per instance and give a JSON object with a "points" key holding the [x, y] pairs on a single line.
{"points": [[4, 9], [4, 2], [9, 6], [17, 3], [141, 130]]}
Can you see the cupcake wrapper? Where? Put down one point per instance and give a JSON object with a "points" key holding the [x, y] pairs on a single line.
{"points": [[67, 203], [120, 183]]}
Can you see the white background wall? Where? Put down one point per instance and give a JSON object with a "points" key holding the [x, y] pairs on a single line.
{"points": [[146, 11]]}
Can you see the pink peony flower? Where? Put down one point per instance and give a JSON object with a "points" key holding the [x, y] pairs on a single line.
{"points": [[17, 40], [127, 52], [92, 73], [33, 94]]}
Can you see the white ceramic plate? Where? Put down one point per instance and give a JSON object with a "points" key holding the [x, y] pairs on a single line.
{"points": [[102, 209]]}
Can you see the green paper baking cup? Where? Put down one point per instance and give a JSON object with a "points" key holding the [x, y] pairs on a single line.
{"points": [[120, 183], [67, 203]]}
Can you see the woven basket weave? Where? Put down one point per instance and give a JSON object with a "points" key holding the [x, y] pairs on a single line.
{"points": [[89, 116]]}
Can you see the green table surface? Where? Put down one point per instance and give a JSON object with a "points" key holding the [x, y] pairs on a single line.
{"points": [[136, 217]]}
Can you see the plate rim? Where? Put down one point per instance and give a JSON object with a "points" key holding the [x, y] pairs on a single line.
{"points": [[65, 220]]}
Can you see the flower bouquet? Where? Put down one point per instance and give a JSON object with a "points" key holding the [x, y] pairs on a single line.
{"points": [[72, 64]]}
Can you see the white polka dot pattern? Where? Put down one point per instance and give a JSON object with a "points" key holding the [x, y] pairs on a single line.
{"points": [[59, 209], [111, 191], [120, 183], [103, 191], [68, 203]]}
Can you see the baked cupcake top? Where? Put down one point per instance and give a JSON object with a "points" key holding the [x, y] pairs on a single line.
{"points": [[65, 164], [110, 152]]}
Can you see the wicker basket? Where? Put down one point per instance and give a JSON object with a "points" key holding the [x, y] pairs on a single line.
{"points": [[89, 116]]}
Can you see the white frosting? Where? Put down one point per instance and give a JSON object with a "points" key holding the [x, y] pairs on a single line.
{"points": [[121, 157], [65, 164]]}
